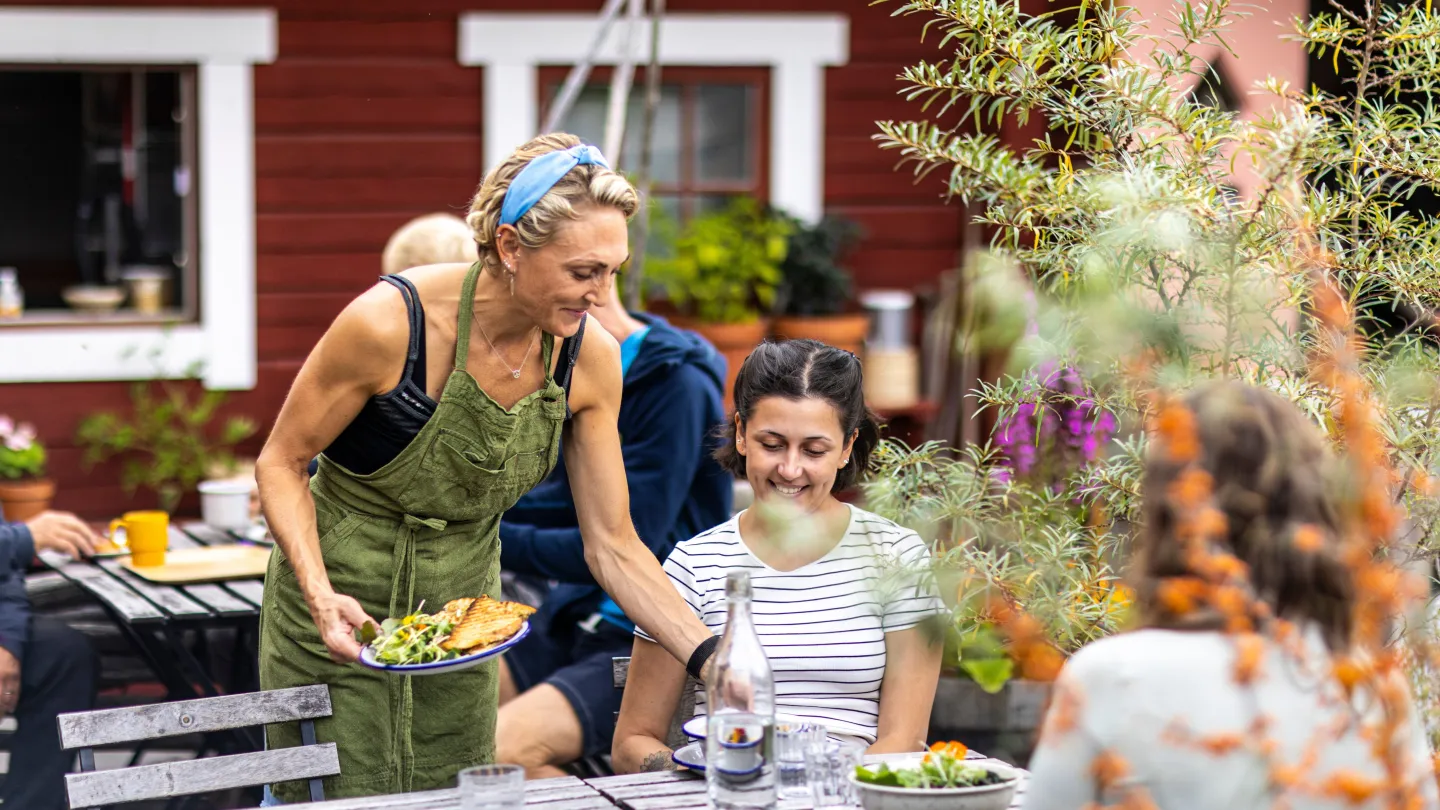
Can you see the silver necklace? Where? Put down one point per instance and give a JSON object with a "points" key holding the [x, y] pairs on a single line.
{"points": [[514, 371]]}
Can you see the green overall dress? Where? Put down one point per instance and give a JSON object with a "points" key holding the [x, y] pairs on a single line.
{"points": [[424, 526]]}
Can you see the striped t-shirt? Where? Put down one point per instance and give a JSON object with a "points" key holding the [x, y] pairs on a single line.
{"points": [[823, 625]]}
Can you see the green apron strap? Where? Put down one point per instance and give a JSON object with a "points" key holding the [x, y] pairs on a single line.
{"points": [[467, 311], [402, 695], [547, 350]]}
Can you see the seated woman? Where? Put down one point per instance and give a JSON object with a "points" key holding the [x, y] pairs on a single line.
{"points": [[1181, 713], [840, 605]]}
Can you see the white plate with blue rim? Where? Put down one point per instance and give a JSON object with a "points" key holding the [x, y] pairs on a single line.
{"points": [[367, 658], [694, 728], [690, 756]]}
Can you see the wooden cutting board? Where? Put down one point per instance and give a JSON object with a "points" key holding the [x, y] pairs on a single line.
{"points": [[211, 564]]}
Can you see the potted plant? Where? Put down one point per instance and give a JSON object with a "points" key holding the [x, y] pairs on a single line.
{"points": [[722, 274], [24, 490], [166, 441], [815, 289]]}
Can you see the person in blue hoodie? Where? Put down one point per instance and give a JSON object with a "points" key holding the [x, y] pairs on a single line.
{"points": [[557, 698], [47, 668]]}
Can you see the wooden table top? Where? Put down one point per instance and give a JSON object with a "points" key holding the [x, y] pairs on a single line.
{"points": [[663, 790], [137, 601]]}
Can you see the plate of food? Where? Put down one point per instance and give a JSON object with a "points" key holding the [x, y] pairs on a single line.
{"points": [[464, 633], [940, 780], [690, 756]]}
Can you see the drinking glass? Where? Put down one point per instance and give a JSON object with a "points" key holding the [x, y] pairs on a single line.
{"points": [[828, 766], [492, 787], [791, 739]]}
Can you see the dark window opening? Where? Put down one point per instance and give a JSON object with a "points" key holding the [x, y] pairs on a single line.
{"points": [[97, 189]]}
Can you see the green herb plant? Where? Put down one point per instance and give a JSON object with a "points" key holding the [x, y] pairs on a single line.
{"points": [[813, 283], [724, 267], [166, 441]]}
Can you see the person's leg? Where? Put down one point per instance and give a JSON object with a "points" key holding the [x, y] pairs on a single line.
{"points": [[58, 675], [539, 731], [569, 716]]}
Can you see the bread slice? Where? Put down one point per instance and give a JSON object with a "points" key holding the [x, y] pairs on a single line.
{"points": [[486, 623], [455, 609]]}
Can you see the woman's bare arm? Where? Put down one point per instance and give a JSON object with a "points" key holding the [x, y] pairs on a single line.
{"points": [[907, 692], [360, 355], [621, 563], [652, 691]]}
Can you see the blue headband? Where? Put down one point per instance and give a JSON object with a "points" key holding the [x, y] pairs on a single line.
{"points": [[541, 175]]}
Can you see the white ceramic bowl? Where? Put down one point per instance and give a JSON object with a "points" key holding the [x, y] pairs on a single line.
{"points": [[92, 298], [984, 797]]}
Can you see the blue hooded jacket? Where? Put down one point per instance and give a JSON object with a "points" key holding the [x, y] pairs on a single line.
{"points": [[17, 546], [670, 407]]}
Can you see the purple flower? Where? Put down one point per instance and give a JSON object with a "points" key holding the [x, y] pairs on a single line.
{"points": [[1061, 431]]}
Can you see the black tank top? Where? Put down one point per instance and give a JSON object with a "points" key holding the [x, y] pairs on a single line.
{"points": [[388, 422]]}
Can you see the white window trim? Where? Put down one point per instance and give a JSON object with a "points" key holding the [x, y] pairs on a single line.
{"points": [[796, 47], [223, 45]]}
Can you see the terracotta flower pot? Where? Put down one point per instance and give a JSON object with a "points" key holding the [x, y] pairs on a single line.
{"points": [[26, 498], [734, 341], [841, 331]]}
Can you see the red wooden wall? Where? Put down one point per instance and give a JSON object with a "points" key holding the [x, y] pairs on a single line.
{"points": [[366, 120]]}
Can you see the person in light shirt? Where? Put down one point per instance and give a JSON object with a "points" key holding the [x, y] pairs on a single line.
{"points": [[1181, 714]]}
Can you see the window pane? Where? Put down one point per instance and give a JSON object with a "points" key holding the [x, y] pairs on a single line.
{"points": [[89, 160], [724, 142], [665, 221], [702, 204], [587, 119]]}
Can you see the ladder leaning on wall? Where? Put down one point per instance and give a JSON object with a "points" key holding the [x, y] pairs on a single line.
{"points": [[615, 114]]}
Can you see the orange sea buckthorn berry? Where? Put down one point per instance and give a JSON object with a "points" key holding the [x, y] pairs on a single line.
{"points": [[1353, 787]]}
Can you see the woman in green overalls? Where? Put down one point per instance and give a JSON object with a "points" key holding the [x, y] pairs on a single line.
{"points": [[435, 400]]}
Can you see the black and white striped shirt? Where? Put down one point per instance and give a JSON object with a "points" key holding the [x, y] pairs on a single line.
{"points": [[823, 625]]}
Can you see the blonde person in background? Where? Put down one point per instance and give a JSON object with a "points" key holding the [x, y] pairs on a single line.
{"points": [[431, 239]]}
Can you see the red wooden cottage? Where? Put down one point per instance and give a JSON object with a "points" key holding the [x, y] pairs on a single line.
{"points": [[260, 155]]}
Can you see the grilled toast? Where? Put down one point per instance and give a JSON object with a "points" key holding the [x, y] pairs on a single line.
{"points": [[486, 622]]}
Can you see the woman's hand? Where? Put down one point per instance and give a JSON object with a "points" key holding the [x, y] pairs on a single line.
{"points": [[337, 617]]}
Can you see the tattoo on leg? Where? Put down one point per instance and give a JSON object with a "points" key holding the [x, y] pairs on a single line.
{"points": [[658, 761]]}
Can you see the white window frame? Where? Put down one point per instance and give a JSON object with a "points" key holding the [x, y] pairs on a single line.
{"points": [[796, 47], [223, 45]]}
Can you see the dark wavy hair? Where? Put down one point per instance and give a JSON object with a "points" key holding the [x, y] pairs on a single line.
{"points": [[802, 369], [1271, 475]]}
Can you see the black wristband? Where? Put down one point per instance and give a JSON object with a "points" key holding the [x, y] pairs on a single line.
{"points": [[702, 653]]}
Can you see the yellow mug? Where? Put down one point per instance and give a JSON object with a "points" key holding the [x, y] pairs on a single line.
{"points": [[147, 534]]}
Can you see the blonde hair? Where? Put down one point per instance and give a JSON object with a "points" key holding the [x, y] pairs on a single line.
{"points": [[585, 184], [430, 239]]}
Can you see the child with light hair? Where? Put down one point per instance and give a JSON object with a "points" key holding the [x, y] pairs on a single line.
{"points": [[430, 239]]}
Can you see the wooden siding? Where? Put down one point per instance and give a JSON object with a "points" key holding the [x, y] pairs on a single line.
{"points": [[366, 120]]}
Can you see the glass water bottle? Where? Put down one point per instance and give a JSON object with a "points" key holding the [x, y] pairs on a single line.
{"points": [[740, 704]]}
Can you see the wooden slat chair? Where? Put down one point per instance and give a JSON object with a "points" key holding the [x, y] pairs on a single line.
{"points": [[676, 737], [86, 730]]}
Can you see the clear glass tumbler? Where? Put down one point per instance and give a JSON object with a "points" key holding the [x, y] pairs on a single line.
{"points": [[828, 766], [492, 787], [791, 739]]}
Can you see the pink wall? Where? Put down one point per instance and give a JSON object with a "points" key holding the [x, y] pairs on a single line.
{"points": [[1261, 50]]}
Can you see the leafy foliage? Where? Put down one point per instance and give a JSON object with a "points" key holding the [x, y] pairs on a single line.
{"points": [[814, 283], [1150, 273], [725, 266], [165, 441], [22, 455]]}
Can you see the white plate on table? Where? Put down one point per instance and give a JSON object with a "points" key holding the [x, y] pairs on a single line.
{"points": [[691, 756], [695, 726], [367, 658]]}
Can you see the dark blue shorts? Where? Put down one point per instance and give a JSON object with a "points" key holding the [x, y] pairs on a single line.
{"points": [[577, 663]]}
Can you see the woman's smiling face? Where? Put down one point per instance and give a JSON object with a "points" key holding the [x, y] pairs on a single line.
{"points": [[793, 448]]}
